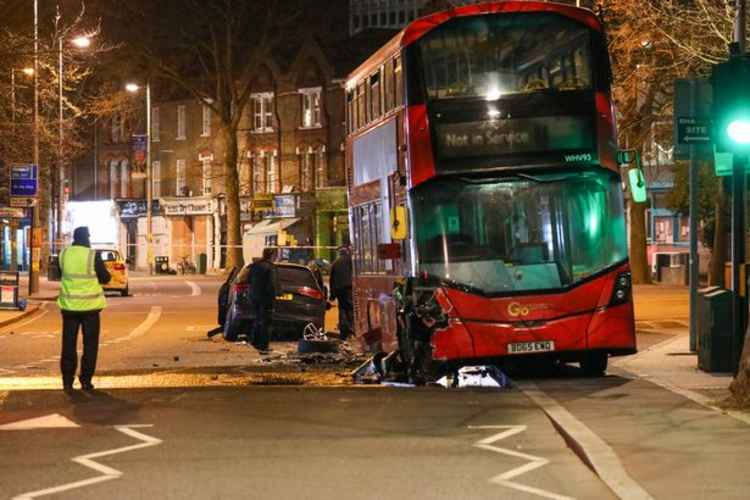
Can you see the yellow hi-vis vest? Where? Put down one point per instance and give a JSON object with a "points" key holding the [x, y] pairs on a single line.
{"points": [[80, 289]]}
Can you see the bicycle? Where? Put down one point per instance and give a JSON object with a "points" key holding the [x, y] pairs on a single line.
{"points": [[185, 266]]}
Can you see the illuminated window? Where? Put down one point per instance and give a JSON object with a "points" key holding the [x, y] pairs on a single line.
{"points": [[155, 179], [181, 125], [181, 185], [310, 107], [206, 129], [155, 125], [262, 112]]}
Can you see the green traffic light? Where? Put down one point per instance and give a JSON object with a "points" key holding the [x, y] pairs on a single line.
{"points": [[739, 131]]}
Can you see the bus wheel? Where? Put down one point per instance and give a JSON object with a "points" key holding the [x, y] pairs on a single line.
{"points": [[594, 364]]}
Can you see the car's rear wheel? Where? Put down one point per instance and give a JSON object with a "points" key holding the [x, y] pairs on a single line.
{"points": [[594, 364]]}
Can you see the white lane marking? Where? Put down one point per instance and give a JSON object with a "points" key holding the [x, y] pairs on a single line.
{"points": [[534, 462], [142, 329], [599, 454], [53, 421], [107, 473], [196, 290]]}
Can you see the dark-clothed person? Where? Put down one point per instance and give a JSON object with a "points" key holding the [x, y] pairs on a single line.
{"points": [[341, 290], [262, 293], [81, 300]]}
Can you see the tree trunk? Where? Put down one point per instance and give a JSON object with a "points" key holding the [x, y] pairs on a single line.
{"points": [[719, 251], [740, 386], [638, 258], [231, 187]]}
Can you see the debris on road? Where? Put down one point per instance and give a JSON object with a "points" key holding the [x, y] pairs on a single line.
{"points": [[476, 376]]}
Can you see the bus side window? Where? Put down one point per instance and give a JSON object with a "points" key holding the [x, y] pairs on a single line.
{"points": [[388, 85], [399, 81], [350, 127]]}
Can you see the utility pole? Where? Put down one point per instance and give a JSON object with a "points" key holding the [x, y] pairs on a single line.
{"points": [[149, 183], [35, 243], [739, 311], [58, 181]]}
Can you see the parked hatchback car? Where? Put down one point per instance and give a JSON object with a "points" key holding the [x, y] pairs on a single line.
{"points": [[118, 269], [301, 300]]}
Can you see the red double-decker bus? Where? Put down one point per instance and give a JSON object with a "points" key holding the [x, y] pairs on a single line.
{"points": [[486, 204]]}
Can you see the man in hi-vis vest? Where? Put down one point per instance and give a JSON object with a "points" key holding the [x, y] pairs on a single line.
{"points": [[81, 299]]}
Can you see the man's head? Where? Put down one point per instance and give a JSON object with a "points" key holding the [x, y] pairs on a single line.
{"points": [[269, 253], [344, 250], [81, 236]]}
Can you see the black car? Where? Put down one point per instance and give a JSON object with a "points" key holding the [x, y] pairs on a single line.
{"points": [[301, 300]]}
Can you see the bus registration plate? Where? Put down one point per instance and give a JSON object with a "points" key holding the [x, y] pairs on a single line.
{"points": [[526, 347]]}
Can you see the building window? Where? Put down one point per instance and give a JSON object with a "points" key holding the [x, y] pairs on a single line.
{"points": [[124, 178], [321, 173], [259, 178], [206, 129], [114, 177], [243, 173], [206, 175], [308, 165], [155, 125], [181, 186], [262, 112], [181, 112], [155, 179], [310, 107], [272, 173], [118, 128]]}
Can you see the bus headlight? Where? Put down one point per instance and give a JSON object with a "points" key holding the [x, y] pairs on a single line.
{"points": [[622, 291]]}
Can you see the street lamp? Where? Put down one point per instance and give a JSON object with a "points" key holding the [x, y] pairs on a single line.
{"points": [[134, 88], [81, 42]]}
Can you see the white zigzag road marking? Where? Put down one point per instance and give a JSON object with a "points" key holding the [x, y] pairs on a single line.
{"points": [[107, 473], [534, 462]]}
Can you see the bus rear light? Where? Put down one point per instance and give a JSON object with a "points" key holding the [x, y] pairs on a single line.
{"points": [[622, 291], [310, 292]]}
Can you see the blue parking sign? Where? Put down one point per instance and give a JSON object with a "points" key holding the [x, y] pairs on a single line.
{"points": [[24, 180]]}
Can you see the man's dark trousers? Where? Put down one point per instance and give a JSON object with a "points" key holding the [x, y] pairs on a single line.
{"points": [[261, 325], [346, 312], [89, 323]]}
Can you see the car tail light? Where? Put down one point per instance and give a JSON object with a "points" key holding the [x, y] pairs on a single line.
{"points": [[313, 293], [239, 288], [622, 291], [119, 267]]}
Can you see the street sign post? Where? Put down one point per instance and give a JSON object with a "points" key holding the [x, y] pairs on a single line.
{"points": [[24, 185], [692, 129]]}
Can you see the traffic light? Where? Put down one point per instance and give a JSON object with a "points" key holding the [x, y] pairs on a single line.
{"points": [[731, 105]]}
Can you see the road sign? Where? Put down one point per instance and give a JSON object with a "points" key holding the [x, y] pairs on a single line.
{"points": [[11, 213], [22, 202], [692, 112], [691, 130], [24, 180]]}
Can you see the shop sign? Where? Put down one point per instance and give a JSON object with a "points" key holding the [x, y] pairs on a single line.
{"points": [[285, 205], [130, 209], [188, 206]]}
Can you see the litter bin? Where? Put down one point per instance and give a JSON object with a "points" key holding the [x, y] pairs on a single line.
{"points": [[715, 330], [53, 268], [202, 263], [161, 265], [9, 291]]}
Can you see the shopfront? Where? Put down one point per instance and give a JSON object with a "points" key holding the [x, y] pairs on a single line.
{"points": [[194, 229]]}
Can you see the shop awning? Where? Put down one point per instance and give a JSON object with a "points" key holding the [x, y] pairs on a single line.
{"points": [[270, 226]]}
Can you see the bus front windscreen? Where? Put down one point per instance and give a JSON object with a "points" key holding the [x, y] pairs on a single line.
{"points": [[491, 56], [520, 233]]}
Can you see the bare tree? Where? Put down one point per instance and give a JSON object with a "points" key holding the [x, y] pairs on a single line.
{"points": [[210, 50]]}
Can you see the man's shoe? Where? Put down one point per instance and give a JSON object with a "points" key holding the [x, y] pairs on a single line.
{"points": [[67, 387], [87, 386]]}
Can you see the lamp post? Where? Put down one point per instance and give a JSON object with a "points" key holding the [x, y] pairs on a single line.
{"points": [[81, 42], [35, 246], [133, 88], [13, 71]]}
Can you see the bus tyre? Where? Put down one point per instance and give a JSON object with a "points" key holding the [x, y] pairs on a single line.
{"points": [[594, 364]]}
